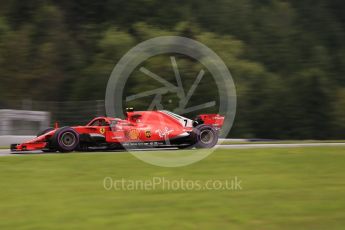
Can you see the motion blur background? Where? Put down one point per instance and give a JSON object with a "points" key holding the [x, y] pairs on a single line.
{"points": [[287, 58]]}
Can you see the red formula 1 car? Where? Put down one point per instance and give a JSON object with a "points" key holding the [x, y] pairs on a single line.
{"points": [[140, 129]]}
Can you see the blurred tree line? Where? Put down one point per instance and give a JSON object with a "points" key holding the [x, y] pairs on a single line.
{"points": [[287, 57]]}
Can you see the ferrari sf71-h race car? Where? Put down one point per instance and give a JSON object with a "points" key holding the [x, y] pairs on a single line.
{"points": [[140, 129]]}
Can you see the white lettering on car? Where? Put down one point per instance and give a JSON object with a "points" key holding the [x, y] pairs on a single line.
{"points": [[164, 132]]}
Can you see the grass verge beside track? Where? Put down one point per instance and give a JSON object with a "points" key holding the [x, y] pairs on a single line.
{"points": [[227, 142], [299, 188]]}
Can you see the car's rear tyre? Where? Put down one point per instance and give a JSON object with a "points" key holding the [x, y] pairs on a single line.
{"points": [[205, 136], [65, 139]]}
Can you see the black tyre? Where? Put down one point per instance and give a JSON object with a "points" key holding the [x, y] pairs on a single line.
{"points": [[65, 139], [42, 132], [205, 136]]}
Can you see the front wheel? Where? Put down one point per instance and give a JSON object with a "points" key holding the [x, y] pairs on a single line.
{"points": [[65, 139]]}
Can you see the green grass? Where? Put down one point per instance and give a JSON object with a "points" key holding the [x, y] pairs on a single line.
{"points": [[299, 188], [226, 142]]}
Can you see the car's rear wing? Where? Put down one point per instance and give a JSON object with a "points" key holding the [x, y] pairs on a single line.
{"points": [[215, 120]]}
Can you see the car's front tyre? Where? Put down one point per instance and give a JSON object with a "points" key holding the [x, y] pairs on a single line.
{"points": [[65, 139]]}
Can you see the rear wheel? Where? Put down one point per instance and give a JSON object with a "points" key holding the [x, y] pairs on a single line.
{"points": [[65, 139], [205, 136]]}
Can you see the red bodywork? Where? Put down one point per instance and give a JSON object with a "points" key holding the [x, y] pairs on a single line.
{"points": [[139, 126]]}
